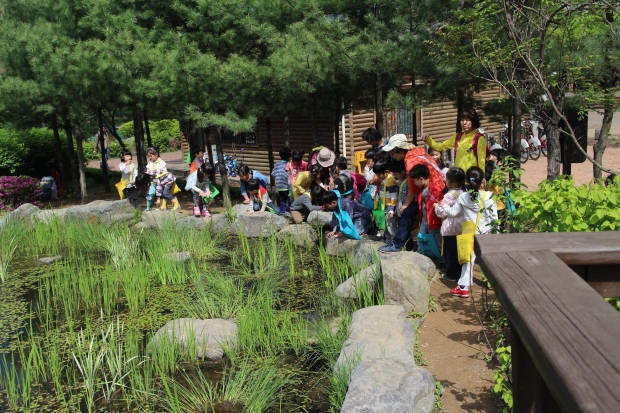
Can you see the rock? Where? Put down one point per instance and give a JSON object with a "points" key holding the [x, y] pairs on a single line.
{"points": [[404, 283], [22, 213], [50, 260], [389, 385], [158, 219], [49, 215], [365, 253], [320, 218], [339, 247], [210, 336], [258, 224], [369, 275], [141, 226], [104, 211], [381, 331], [179, 256], [122, 217], [425, 264], [302, 235], [217, 223]]}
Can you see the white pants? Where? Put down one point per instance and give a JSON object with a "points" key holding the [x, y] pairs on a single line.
{"points": [[467, 272]]}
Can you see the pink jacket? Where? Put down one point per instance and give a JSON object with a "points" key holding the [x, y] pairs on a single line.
{"points": [[451, 226], [294, 169]]}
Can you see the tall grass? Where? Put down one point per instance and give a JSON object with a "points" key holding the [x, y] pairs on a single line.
{"points": [[10, 237], [122, 248]]}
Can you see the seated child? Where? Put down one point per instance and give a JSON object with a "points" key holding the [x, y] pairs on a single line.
{"points": [[388, 195], [452, 226], [431, 193], [306, 202], [282, 178], [198, 182], [358, 213], [260, 198]]}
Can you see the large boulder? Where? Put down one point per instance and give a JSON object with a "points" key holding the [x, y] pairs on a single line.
{"points": [[49, 215], [381, 331], [320, 218], [256, 224], [157, 219], [389, 385], [404, 283], [368, 275], [217, 223], [339, 247], [210, 337], [107, 212], [365, 253], [22, 213], [302, 235]]}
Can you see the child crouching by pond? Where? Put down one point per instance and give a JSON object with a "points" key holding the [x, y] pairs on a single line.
{"points": [[198, 182], [346, 209], [260, 198], [306, 202]]}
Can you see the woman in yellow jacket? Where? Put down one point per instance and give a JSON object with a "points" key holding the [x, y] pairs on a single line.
{"points": [[467, 154], [304, 180]]}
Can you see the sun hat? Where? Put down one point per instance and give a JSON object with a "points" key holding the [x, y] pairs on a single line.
{"points": [[326, 157], [398, 141]]}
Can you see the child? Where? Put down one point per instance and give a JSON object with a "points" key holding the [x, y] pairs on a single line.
{"points": [[245, 174], [260, 198], [388, 195], [197, 159], [343, 181], [129, 172], [358, 213], [373, 137], [198, 182], [452, 226], [301, 207], [162, 180], [283, 179], [296, 165], [470, 203], [430, 194], [304, 180], [438, 158], [371, 180]]}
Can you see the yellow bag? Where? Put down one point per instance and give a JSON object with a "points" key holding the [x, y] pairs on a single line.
{"points": [[174, 189], [465, 241], [121, 185]]}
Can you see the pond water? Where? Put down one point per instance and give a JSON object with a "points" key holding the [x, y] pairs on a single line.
{"points": [[74, 334]]}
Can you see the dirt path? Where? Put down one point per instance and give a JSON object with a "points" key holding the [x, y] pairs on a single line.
{"points": [[455, 356]]}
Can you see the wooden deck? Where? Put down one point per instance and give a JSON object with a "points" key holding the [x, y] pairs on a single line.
{"points": [[565, 337]]}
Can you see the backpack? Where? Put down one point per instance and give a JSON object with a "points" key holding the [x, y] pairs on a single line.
{"points": [[359, 183], [474, 145]]}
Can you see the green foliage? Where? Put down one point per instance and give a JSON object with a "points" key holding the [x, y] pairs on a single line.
{"points": [[30, 152], [503, 376], [115, 152], [560, 206], [438, 406], [162, 133], [615, 302]]}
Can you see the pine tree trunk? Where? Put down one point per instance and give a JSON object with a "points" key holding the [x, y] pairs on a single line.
{"points": [[104, 162], [379, 102], [603, 137], [554, 153], [75, 178], [287, 136], [61, 164], [222, 167], [515, 129], [269, 148], [149, 142], [138, 133], [81, 162]]}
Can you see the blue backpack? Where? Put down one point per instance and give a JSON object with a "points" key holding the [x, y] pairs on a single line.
{"points": [[345, 223], [366, 200]]}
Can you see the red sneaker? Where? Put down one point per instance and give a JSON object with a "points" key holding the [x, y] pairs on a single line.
{"points": [[459, 292]]}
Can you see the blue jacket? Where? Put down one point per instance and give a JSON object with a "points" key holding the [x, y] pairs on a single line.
{"points": [[262, 180]]}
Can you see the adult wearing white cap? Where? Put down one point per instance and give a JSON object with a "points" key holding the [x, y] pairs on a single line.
{"points": [[400, 149]]}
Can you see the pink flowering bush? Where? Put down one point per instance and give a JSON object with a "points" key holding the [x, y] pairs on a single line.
{"points": [[18, 190]]}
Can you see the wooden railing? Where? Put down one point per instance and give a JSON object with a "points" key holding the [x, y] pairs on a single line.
{"points": [[565, 338]]}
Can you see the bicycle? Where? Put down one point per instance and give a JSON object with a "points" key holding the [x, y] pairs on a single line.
{"points": [[525, 150]]}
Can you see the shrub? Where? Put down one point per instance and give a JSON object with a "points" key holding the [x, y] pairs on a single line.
{"points": [[30, 152], [162, 133], [18, 190], [12, 151], [559, 206], [115, 152]]}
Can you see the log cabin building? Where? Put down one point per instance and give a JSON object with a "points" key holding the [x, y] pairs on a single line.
{"points": [[437, 120]]}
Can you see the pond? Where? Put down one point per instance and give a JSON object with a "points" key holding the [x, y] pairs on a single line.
{"points": [[74, 335]]}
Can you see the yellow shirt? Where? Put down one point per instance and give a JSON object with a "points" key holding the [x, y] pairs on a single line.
{"points": [[302, 183], [465, 158]]}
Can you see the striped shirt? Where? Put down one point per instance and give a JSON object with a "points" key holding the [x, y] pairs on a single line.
{"points": [[281, 176], [389, 191]]}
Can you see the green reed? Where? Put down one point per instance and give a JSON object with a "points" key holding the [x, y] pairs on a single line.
{"points": [[122, 248]]}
